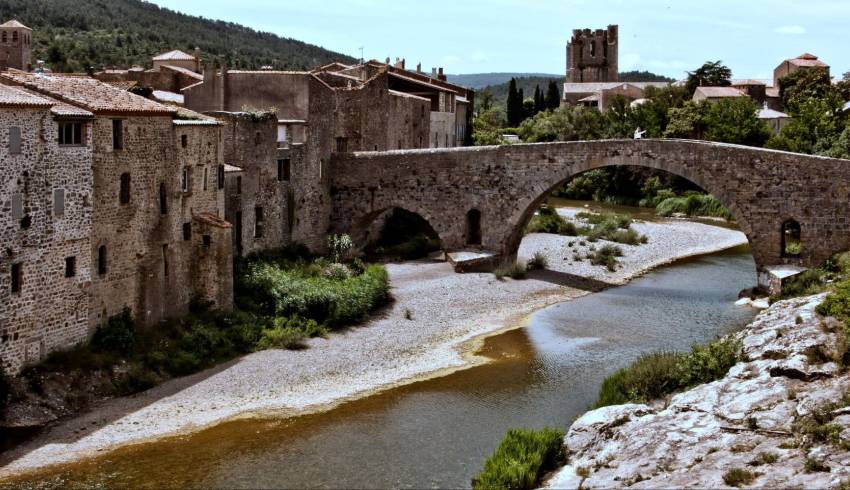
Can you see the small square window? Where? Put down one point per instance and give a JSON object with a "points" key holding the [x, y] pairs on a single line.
{"points": [[184, 141], [187, 231], [70, 266], [207, 240]]}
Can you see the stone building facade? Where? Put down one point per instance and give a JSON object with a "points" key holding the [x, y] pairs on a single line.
{"points": [[45, 226], [593, 56], [154, 194], [15, 46]]}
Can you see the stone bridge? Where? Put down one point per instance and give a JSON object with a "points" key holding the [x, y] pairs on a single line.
{"points": [[483, 197]]}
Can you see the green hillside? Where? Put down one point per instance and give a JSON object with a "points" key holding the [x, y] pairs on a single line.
{"points": [[72, 35], [481, 80]]}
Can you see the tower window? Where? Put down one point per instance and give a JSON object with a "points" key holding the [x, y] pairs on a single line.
{"points": [[184, 141], [185, 183], [283, 170], [124, 192], [187, 231], [14, 36], [17, 277], [101, 260], [473, 227], [163, 199], [70, 266], [117, 134]]}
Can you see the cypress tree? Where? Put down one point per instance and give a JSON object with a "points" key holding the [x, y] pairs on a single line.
{"points": [[514, 109], [538, 100], [553, 96]]}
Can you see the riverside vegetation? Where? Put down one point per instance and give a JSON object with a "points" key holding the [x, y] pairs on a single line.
{"points": [[282, 297]]}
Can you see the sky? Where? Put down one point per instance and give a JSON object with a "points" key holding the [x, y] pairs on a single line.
{"points": [[478, 36]]}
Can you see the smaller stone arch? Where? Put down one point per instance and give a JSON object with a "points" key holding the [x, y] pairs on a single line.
{"points": [[792, 239], [364, 231]]}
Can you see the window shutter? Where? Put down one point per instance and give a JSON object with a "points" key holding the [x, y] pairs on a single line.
{"points": [[14, 140]]}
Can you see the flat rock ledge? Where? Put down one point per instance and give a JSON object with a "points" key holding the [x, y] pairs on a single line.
{"points": [[749, 420]]}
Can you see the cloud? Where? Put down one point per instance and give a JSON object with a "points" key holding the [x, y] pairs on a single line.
{"points": [[790, 30]]}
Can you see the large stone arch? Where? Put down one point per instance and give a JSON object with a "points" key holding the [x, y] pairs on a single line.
{"points": [[762, 188]]}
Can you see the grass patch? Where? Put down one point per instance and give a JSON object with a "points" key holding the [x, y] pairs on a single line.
{"points": [[765, 458], [521, 459], [538, 261], [547, 220], [818, 427], [694, 205], [611, 227], [656, 375], [514, 271], [737, 477], [814, 465], [607, 256]]}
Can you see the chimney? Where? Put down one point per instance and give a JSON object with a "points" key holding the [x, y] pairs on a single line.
{"points": [[440, 75], [388, 61], [197, 60], [433, 73], [418, 67]]}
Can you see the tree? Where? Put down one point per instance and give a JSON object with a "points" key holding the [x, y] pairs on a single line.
{"points": [[728, 121], [653, 115], [553, 95], [814, 128], [539, 103], [563, 124], [710, 74], [514, 104], [487, 127], [803, 85], [847, 77], [485, 100]]}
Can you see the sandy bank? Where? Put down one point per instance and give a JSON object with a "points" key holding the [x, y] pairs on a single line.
{"points": [[449, 311]]}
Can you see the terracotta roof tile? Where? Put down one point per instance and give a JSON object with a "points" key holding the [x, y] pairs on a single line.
{"points": [[15, 24], [211, 220], [87, 93], [13, 97], [174, 55]]}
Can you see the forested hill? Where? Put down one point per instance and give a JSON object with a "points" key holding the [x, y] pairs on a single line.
{"points": [[72, 35], [481, 80]]}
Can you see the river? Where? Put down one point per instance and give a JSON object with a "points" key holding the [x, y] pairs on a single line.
{"points": [[436, 433]]}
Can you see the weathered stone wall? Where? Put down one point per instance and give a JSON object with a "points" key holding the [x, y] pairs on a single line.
{"points": [[443, 128], [762, 188], [409, 121], [51, 310]]}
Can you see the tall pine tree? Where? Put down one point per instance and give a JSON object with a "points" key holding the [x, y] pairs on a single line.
{"points": [[514, 109], [553, 96], [538, 100]]}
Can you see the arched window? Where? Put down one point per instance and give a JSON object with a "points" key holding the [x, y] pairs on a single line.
{"points": [[101, 260], [473, 227], [124, 192], [163, 199], [792, 243]]}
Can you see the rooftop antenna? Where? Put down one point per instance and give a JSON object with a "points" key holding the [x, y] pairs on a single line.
{"points": [[361, 54]]}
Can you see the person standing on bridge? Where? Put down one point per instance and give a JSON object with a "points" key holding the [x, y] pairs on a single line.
{"points": [[639, 134]]}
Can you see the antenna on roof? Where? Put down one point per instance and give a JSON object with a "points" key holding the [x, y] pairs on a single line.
{"points": [[361, 54]]}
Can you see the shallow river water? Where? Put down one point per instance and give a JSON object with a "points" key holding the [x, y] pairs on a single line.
{"points": [[437, 433]]}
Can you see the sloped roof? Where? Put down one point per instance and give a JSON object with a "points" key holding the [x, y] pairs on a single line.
{"points": [[750, 82], [88, 93], [174, 55], [807, 60], [14, 23], [13, 97], [184, 71], [718, 92], [768, 113], [592, 87]]}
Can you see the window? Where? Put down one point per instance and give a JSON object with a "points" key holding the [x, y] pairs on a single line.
{"points": [[258, 222], [124, 192], [185, 180], [5, 38], [342, 145], [17, 205], [239, 185], [163, 199], [592, 49], [70, 266], [187, 231], [58, 202], [283, 170], [184, 141], [205, 178], [70, 133], [165, 260], [14, 36], [14, 140], [221, 176], [117, 134], [281, 133], [17, 277], [101, 260], [207, 240], [473, 227], [792, 243]]}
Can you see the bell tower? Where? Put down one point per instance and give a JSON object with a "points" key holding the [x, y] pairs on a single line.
{"points": [[592, 56], [16, 45]]}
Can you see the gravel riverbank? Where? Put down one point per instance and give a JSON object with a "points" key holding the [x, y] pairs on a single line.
{"points": [[449, 314]]}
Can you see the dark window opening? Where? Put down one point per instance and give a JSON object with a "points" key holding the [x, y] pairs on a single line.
{"points": [[26, 222], [258, 222], [207, 240], [283, 170], [592, 49], [239, 185], [163, 199], [258, 138], [473, 227], [117, 134], [70, 266], [342, 145], [17, 277], [792, 243], [14, 140], [124, 193], [14, 36], [5, 38], [70, 133], [206, 178], [185, 180], [184, 141], [239, 233], [165, 260], [221, 176], [101, 260], [187, 231]]}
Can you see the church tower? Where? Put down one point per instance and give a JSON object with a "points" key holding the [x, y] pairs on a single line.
{"points": [[16, 45], [592, 56]]}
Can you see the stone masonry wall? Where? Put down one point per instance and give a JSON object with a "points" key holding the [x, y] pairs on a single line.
{"points": [[763, 189], [51, 310]]}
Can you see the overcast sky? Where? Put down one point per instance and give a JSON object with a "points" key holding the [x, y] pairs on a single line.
{"points": [[474, 36]]}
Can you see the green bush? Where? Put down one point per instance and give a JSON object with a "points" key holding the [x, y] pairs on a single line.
{"points": [[538, 261], [514, 271], [287, 333], [547, 220], [607, 256], [611, 227], [694, 205], [655, 375], [737, 477], [117, 335], [521, 459]]}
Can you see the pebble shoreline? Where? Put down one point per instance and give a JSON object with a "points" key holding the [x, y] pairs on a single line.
{"points": [[451, 314]]}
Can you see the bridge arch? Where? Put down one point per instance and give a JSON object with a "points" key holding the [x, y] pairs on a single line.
{"points": [[762, 188], [363, 231]]}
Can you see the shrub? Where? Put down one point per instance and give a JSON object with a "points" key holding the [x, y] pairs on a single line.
{"points": [[514, 271], [538, 261], [814, 465], [337, 271], [694, 205], [655, 375], [339, 246], [607, 256], [357, 266], [117, 335], [547, 220], [737, 477], [623, 221], [287, 333], [521, 459]]}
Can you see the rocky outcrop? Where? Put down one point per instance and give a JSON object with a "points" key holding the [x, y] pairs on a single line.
{"points": [[780, 419]]}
